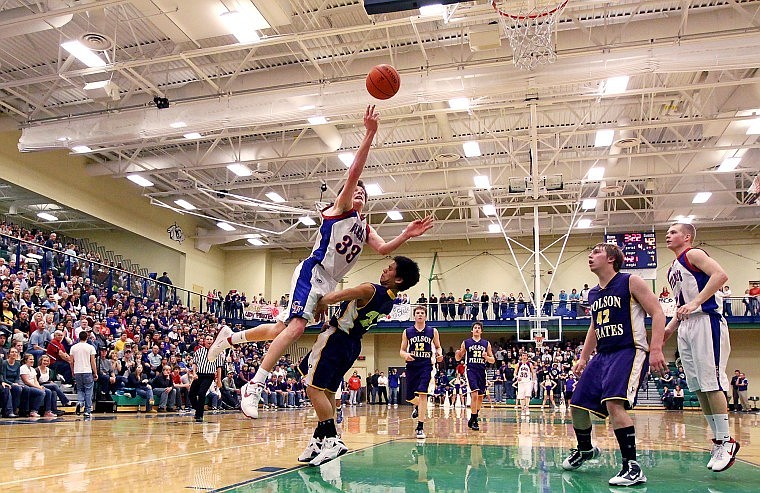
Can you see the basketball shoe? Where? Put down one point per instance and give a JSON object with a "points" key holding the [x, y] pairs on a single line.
{"points": [[332, 447], [725, 455], [220, 343], [629, 475], [713, 453], [419, 434], [312, 450], [250, 395], [578, 457]]}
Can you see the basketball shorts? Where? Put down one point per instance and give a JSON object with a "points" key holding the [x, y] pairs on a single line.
{"points": [[611, 376], [704, 347], [524, 389], [476, 381], [419, 380], [309, 283], [332, 355]]}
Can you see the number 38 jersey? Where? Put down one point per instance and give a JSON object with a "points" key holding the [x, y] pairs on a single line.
{"points": [[340, 242]]}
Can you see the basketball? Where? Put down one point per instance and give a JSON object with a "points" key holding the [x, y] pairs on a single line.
{"points": [[383, 81]]}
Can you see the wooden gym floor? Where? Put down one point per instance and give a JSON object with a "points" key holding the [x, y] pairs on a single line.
{"points": [[169, 453]]}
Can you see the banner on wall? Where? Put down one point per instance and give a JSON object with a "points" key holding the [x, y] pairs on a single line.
{"points": [[401, 313]]}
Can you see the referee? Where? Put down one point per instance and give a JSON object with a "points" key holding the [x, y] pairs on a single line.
{"points": [[206, 372]]}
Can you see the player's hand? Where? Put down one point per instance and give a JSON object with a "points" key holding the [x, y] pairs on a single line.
{"points": [[370, 118], [408, 357], [685, 311], [657, 361], [320, 311], [419, 226], [579, 367], [439, 358]]}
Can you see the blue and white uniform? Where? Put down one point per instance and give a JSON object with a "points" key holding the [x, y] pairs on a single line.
{"points": [[524, 376], [420, 373], [338, 346], [475, 362], [619, 367], [703, 341], [339, 243]]}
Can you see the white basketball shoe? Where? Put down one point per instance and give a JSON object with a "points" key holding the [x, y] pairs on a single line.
{"points": [[250, 395], [220, 343]]}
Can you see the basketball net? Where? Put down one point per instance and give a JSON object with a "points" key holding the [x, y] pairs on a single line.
{"points": [[539, 340], [529, 26]]}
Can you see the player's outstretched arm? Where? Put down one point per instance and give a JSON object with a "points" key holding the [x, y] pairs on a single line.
{"points": [[361, 293], [652, 306], [412, 230], [345, 199]]}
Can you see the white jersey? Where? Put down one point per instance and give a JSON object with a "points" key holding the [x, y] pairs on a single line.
{"points": [[687, 281], [340, 242], [524, 372]]}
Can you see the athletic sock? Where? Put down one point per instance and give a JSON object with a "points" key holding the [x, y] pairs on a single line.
{"points": [[420, 424], [626, 438], [328, 427], [711, 421], [237, 338], [319, 431], [261, 376], [721, 427], [474, 416], [584, 439]]}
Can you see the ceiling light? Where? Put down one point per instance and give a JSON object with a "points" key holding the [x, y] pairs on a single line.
{"points": [[256, 242], [481, 181], [140, 180], [44, 207], [239, 25], [46, 216], [471, 149], [81, 149], [317, 120], [701, 197], [185, 204], [346, 158], [604, 138], [685, 219], [307, 221], [754, 127], [178, 125], [435, 9], [252, 235], [239, 169], [192, 136], [395, 215], [275, 197], [489, 210], [307, 107], [99, 84], [583, 223], [729, 164], [596, 174], [589, 204], [494, 228], [459, 103], [83, 54], [225, 226], [616, 85], [373, 189]]}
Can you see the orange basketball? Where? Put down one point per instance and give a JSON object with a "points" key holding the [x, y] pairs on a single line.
{"points": [[383, 81]]}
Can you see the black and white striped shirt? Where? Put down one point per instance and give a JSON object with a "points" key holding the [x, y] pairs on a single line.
{"points": [[200, 358]]}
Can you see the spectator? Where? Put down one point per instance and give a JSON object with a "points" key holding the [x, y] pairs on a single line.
{"points": [[48, 379], [139, 381], [372, 384], [164, 388], [393, 386], [727, 311], [60, 361], [10, 377], [354, 386], [678, 398], [742, 383], [735, 390], [382, 389], [37, 395], [667, 398], [85, 372]]}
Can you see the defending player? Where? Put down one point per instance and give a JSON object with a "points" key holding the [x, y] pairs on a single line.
{"points": [[476, 352], [338, 346], [342, 236], [420, 347], [703, 341], [609, 383], [524, 378]]}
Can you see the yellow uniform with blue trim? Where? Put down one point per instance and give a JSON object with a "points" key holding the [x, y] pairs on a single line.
{"points": [[339, 345]]}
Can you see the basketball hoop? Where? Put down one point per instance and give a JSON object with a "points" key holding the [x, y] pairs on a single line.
{"points": [[529, 25]]}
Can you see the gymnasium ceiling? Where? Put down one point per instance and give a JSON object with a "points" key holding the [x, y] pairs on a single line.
{"points": [[692, 95]]}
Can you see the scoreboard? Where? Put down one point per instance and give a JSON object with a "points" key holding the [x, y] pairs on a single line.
{"points": [[639, 249]]}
